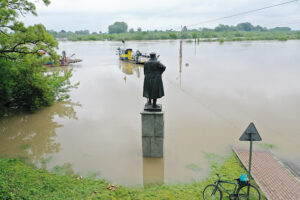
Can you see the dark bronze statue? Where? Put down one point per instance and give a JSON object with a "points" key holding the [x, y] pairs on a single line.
{"points": [[153, 85]]}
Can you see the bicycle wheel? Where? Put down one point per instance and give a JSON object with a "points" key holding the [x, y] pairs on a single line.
{"points": [[253, 193], [212, 192]]}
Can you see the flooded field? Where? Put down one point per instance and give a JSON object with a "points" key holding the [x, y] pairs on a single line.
{"points": [[210, 100]]}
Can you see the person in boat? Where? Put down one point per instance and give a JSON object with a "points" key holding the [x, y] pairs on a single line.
{"points": [[63, 59], [123, 42], [137, 55], [153, 85]]}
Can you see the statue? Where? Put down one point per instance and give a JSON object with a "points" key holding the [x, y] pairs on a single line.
{"points": [[153, 85]]}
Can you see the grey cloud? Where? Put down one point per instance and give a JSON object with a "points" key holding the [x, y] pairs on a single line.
{"points": [[171, 16]]}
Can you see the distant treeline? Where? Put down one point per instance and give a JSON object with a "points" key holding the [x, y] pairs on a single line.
{"points": [[242, 31]]}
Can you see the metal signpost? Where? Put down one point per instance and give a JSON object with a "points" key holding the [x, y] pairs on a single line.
{"points": [[250, 134]]}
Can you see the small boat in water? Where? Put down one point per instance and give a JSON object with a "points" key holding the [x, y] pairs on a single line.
{"points": [[128, 56], [64, 60]]}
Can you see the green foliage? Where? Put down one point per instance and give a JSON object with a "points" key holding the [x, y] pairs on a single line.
{"points": [[65, 169], [131, 30], [194, 35], [184, 28], [45, 161], [268, 146], [82, 32], [194, 167], [282, 38], [26, 146], [297, 35], [281, 29], [118, 27], [245, 27], [24, 83], [173, 36], [222, 33], [20, 181], [214, 160]]}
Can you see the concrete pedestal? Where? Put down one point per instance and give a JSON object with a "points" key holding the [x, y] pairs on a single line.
{"points": [[153, 134]]}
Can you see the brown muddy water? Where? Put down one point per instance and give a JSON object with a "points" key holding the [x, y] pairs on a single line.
{"points": [[220, 90]]}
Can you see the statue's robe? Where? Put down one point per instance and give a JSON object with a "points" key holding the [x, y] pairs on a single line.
{"points": [[153, 85]]}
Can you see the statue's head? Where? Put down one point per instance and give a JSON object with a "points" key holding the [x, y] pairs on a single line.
{"points": [[152, 55]]}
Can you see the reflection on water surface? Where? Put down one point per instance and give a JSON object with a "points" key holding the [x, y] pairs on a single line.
{"points": [[33, 136]]}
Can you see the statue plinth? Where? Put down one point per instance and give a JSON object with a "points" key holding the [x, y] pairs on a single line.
{"points": [[149, 107], [153, 133]]}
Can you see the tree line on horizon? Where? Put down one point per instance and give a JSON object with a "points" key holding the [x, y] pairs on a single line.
{"points": [[242, 31], [122, 27]]}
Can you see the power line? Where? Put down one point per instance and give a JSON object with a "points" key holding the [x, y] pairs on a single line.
{"points": [[243, 13]]}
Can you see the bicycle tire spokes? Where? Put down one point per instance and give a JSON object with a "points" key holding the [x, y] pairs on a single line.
{"points": [[248, 193], [211, 192]]}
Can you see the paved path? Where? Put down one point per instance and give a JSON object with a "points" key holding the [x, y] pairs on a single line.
{"points": [[273, 178]]}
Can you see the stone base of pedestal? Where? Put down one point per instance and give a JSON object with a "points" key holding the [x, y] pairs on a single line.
{"points": [[153, 134]]}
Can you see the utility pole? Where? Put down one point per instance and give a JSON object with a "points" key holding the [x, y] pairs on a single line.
{"points": [[180, 57]]}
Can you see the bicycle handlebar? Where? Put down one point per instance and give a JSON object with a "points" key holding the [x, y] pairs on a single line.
{"points": [[220, 175]]}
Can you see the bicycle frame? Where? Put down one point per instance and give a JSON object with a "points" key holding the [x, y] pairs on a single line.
{"points": [[219, 183]]}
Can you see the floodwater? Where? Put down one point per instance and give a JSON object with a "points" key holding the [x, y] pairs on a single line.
{"points": [[211, 97]]}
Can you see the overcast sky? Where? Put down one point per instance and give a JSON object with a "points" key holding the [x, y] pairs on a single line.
{"points": [[97, 15]]}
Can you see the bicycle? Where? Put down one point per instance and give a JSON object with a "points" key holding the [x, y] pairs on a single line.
{"points": [[242, 190]]}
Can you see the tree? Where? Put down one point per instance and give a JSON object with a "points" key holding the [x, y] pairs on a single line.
{"points": [[82, 32], [173, 35], [281, 29], [139, 29], [131, 30], [245, 26], [118, 27], [259, 28], [222, 27], [23, 81], [194, 35], [184, 29]]}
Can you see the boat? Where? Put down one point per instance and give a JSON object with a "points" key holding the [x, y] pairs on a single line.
{"points": [[63, 61], [127, 55]]}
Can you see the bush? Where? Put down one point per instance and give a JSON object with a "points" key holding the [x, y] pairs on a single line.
{"points": [[24, 84], [173, 36]]}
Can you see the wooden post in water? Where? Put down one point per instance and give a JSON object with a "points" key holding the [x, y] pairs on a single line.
{"points": [[180, 48], [180, 58]]}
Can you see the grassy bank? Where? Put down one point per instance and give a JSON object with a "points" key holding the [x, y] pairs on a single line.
{"points": [[21, 181]]}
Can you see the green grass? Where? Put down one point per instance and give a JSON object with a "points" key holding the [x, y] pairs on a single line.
{"points": [[268, 146], [20, 181], [25, 146]]}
